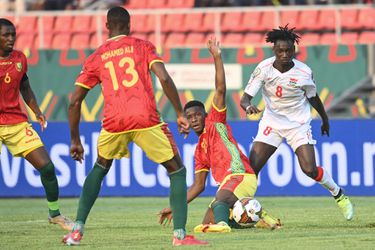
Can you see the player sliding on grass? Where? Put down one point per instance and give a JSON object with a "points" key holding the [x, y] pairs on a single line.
{"points": [[218, 151], [15, 132], [122, 66], [288, 87]]}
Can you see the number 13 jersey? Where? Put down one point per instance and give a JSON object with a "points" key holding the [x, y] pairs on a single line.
{"points": [[285, 94], [122, 66]]}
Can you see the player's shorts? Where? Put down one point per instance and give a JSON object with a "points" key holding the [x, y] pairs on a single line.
{"points": [[20, 139], [295, 137], [157, 142]]}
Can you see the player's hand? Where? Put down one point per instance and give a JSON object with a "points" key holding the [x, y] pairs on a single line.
{"points": [[251, 109], [214, 47], [183, 125], [76, 151], [42, 121], [325, 128], [165, 216]]}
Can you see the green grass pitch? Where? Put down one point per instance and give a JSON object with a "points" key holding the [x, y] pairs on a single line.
{"points": [[131, 223]]}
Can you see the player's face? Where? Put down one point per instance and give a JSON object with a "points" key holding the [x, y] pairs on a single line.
{"points": [[7, 38], [196, 117], [284, 52]]}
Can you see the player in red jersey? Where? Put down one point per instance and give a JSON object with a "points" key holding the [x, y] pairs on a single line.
{"points": [[15, 131], [218, 151], [122, 66]]}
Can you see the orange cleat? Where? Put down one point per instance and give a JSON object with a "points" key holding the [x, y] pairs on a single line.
{"points": [[189, 240]]}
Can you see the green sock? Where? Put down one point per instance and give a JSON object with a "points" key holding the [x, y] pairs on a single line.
{"points": [[177, 200], [90, 192], [221, 211], [49, 181]]}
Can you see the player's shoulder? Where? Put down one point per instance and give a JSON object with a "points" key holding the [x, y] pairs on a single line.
{"points": [[18, 54], [266, 63], [302, 67]]}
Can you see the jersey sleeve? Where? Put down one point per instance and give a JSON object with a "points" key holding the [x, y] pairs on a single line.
{"points": [[200, 164], [255, 82], [151, 55], [309, 86], [89, 77], [217, 115]]}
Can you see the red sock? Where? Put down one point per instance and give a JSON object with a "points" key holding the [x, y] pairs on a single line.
{"points": [[319, 177]]}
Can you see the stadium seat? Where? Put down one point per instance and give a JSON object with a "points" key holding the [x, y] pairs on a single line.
{"points": [[94, 43], [308, 20], [250, 21], [63, 24], [142, 36], [61, 41], [173, 23], [27, 24], [156, 4], [208, 24], [175, 40], [193, 21], [152, 39], [327, 20], [231, 21], [47, 41], [137, 23], [82, 24], [48, 23], [367, 37], [195, 39], [349, 19], [328, 39], [366, 18], [80, 41], [136, 4], [253, 39], [232, 39], [267, 21], [289, 17], [12, 19], [310, 39], [180, 3], [349, 38], [25, 41]]}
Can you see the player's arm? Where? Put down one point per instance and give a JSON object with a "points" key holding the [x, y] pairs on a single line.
{"points": [[170, 91], [254, 84], [317, 104], [220, 86], [74, 115], [29, 98]]}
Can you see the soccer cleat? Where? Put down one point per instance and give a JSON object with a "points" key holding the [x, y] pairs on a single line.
{"points": [[64, 222], [188, 240], [212, 228], [72, 239], [267, 221], [346, 206]]}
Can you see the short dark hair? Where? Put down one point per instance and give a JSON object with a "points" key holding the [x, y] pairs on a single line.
{"points": [[194, 103], [118, 16], [5, 22], [284, 34]]}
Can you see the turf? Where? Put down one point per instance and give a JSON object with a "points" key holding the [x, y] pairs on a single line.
{"points": [[131, 223]]}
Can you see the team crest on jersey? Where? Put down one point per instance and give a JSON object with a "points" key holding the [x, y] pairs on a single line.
{"points": [[204, 145], [256, 72], [19, 67], [293, 82]]}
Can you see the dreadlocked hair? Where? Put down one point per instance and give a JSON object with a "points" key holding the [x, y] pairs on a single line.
{"points": [[284, 34]]}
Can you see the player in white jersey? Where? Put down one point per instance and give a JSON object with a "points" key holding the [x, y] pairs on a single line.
{"points": [[288, 90]]}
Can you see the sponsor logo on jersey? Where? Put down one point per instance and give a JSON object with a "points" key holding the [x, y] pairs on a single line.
{"points": [[204, 145], [19, 67]]}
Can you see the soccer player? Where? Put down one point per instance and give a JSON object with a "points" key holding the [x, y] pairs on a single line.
{"points": [[122, 65], [218, 151], [288, 87], [15, 131]]}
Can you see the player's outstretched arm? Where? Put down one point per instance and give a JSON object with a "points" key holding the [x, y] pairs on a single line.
{"points": [[247, 106], [170, 91], [29, 98], [74, 115], [317, 104], [220, 85]]}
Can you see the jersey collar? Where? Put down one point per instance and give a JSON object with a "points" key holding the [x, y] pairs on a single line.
{"points": [[116, 37]]}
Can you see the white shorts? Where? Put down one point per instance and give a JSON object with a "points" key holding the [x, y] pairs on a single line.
{"points": [[295, 137]]}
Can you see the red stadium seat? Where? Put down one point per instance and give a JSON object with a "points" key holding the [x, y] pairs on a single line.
{"points": [[48, 23], [25, 41], [367, 37], [173, 23], [82, 24], [193, 21], [142, 36], [328, 38], [250, 21], [63, 24], [12, 19], [137, 23], [253, 39], [327, 20], [180, 3], [349, 38], [80, 41], [175, 40], [289, 17], [349, 19], [153, 39], [136, 4], [47, 41], [231, 21], [310, 39], [61, 41], [195, 38], [267, 21], [27, 24], [156, 4], [94, 43], [232, 39], [366, 18], [308, 20], [208, 24]]}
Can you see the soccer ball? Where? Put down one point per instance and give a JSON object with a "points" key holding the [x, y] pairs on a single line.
{"points": [[246, 211]]}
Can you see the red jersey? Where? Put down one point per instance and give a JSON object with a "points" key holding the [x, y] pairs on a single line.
{"points": [[12, 70], [122, 66], [218, 150]]}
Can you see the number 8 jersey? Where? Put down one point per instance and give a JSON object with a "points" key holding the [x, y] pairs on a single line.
{"points": [[122, 67], [285, 94]]}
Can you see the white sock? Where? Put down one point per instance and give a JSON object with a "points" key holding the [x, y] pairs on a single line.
{"points": [[328, 183]]}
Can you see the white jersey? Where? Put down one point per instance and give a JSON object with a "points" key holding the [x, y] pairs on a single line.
{"points": [[285, 94]]}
